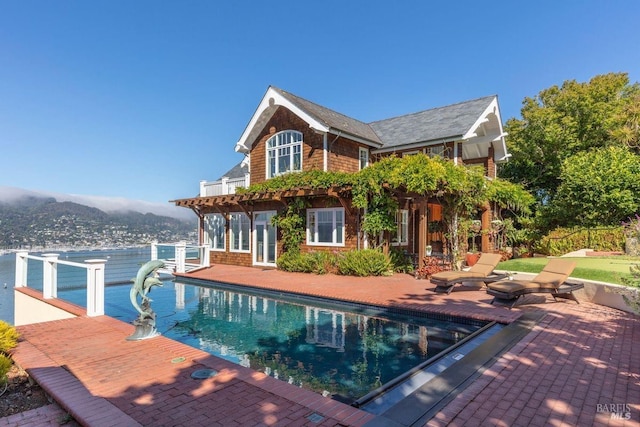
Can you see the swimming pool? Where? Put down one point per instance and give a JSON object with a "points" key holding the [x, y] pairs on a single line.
{"points": [[338, 350]]}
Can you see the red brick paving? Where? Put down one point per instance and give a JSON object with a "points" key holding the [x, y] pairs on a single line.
{"points": [[577, 359], [45, 416]]}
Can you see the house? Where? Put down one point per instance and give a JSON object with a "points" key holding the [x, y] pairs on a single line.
{"points": [[288, 133]]}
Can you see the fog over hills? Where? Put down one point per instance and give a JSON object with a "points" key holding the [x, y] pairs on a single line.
{"points": [[105, 204]]}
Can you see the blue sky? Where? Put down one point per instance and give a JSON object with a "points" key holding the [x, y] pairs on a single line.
{"points": [[143, 99]]}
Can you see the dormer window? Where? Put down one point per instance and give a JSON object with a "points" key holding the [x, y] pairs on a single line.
{"points": [[284, 153]]}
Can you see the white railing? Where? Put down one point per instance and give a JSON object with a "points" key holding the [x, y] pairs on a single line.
{"points": [[180, 257], [223, 186], [95, 278]]}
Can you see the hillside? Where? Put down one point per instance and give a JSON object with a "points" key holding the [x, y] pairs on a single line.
{"points": [[42, 222]]}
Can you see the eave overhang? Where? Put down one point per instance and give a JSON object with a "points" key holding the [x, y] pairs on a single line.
{"points": [[486, 132], [417, 145], [267, 107]]}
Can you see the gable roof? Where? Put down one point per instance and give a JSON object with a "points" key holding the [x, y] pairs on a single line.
{"points": [[475, 123], [333, 119], [444, 123]]}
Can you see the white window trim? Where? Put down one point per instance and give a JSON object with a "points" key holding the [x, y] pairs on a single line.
{"points": [[291, 153], [362, 150], [334, 232], [231, 220], [410, 153], [207, 237], [402, 221], [254, 236]]}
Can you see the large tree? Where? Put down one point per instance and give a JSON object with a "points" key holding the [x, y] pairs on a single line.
{"points": [[562, 121], [599, 187]]}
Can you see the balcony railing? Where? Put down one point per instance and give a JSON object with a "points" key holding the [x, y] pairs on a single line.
{"points": [[95, 278], [180, 257], [223, 186]]}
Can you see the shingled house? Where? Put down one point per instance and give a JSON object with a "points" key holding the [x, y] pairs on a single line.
{"points": [[288, 133]]}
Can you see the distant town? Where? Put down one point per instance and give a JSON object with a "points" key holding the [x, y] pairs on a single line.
{"points": [[37, 224]]}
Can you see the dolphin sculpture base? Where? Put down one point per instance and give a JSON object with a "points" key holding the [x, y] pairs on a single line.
{"points": [[145, 325]]}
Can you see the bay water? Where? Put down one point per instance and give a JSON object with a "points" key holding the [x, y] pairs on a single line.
{"points": [[122, 266]]}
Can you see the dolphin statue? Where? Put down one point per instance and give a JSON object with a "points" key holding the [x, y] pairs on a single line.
{"points": [[146, 278]]}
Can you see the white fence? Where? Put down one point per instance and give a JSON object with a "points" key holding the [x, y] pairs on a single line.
{"points": [[95, 278], [222, 187], [180, 257]]}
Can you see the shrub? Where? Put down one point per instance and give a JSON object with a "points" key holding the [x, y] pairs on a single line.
{"points": [[632, 227], [322, 262], [8, 340], [401, 261], [311, 262], [366, 262], [563, 240], [8, 337], [634, 280], [5, 366]]}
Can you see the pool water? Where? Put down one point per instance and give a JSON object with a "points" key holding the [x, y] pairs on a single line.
{"points": [[338, 351]]}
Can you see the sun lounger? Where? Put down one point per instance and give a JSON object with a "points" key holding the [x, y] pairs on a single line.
{"points": [[482, 272], [552, 279]]}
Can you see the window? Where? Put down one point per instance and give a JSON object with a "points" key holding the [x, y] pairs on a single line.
{"points": [[214, 228], [325, 227], [436, 151], [364, 158], [284, 153], [402, 230], [410, 153], [239, 232]]}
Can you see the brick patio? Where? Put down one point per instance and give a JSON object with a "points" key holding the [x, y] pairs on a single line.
{"points": [[578, 359]]}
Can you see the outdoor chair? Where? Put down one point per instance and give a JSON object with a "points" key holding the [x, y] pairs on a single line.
{"points": [[481, 272], [552, 279]]}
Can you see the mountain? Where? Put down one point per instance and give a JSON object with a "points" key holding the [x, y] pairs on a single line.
{"points": [[106, 204], [33, 222]]}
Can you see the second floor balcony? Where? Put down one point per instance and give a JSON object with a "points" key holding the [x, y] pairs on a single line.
{"points": [[223, 186]]}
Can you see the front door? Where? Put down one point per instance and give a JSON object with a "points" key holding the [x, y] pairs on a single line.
{"points": [[264, 239]]}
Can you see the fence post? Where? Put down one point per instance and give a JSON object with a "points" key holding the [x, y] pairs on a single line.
{"points": [[21, 269], [50, 276], [181, 257], [154, 250], [206, 256], [95, 287]]}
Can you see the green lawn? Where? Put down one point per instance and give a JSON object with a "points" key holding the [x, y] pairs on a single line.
{"points": [[603, 269]]}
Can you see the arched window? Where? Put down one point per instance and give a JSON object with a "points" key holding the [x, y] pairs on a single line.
{"points": [[284, 153]]}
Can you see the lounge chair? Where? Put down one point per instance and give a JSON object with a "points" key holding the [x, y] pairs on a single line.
{"points": [[552, 279], [481, 272]]}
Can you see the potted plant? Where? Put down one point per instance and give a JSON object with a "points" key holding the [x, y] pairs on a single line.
{"points": [[428, 250], [472, 256]]}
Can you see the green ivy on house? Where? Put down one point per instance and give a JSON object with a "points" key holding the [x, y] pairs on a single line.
{"points": [[460, 191]]}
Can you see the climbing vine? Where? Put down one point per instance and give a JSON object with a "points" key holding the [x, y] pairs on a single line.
{"points": [[460, 190], [291, 223]]}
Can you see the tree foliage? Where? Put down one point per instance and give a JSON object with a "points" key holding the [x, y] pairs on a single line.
{"points": [[598, 187], [562, 121]]}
